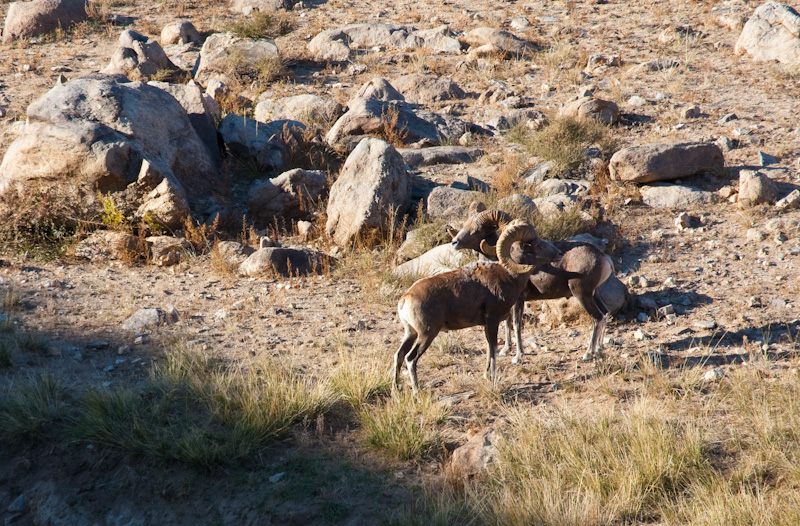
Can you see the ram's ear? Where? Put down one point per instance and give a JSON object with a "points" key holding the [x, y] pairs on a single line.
{"points": [[451, 231]]}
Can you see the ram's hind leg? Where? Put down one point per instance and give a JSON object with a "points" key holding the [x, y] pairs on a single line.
{"points": [[599, 314], [491, 361], [399, 357], [423, 342]]}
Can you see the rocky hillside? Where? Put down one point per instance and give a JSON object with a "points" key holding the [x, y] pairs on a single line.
{"points": [[204, 200]]}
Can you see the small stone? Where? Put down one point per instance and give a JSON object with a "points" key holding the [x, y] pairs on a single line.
{"points": [[666, 310], [790, 202], [714, 375], [765, 159], [573, 333], [755, 235], [690, 112], [706, 324], [728, 117], [725, 144], [642, 317], [639, 335], [276, 477], [19, 505], [637, 101]]}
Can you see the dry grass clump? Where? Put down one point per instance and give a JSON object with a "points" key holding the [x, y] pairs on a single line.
{"points": [[30, 407], [565, 141], [262, 25]]}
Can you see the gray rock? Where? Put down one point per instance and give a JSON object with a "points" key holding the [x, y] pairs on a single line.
{"points": [[104, 130], [636, 101], [450, 203], [180, 32], [107, 244], [263, 143], [167, 250], [772, 33], [574, 188], [604, 111], [303, 108], [286, 261], [790, 202], [531, 118], [664, 195], [409, 124], [518, 205], [372, 192], [27, 19], [221, 49], [166, 205], [439, 155], [725, 144], [728, 117], [138, 57], [664, 162], [190, 97], [554, 204], [290, 196], [246, 7], [435, 261], [538, 173], [658, 64], [233, 253], [425, 89], [756, 188], [378, 88], [765, 159], [501, 41], [148, 318]]}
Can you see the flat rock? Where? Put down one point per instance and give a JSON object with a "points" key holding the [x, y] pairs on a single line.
{"points": [[500, 41], [286, 261], [664, 162], [435, 261], [425, 89], [601, 110], [439, 155], [150, 317], [665, 195], [220, 48], [450, 203]]}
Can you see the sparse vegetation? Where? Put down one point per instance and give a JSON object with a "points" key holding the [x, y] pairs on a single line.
{"points": [[260, 24]]}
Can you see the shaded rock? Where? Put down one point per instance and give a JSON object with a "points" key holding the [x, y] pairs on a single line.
{"points": [[185, 56], [538, 173], [517, 205], [233, 253], [372, 192], [180, 32], [222, 51], [166, 205], [790, 202], [664, 195], [286, 261], [473, 457], [106, 244], [27, 19], [425, 89], [378, 88], [529, 117], [303, 108], [122, 138], [439, 155], [554, 204], [190, 97], [167, 250], [435, 261], [756, 188], [438, 39], [500, 41], [559, 186], [246, 7], [138, 57], [148, 318], [266, 144], [765, 159], [407, 123], [664, 162], [604, 111], [772, 33], [450, 203], [290, 196]]}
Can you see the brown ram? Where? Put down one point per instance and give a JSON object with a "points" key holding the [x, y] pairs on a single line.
{"points": [[579, 273], [481, 293]]}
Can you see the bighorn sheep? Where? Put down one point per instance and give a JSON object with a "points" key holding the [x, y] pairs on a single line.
{"points": [[480, 293], [579, 273]]}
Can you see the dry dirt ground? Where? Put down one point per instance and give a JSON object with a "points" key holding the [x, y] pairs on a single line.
{"points": [[748, 289]]}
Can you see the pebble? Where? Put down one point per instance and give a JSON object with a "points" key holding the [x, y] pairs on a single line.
{"points": [[728, 117], [639, 335], [714, 375], [573, 333], [642, 317], [705, 324], [276, 477], [637, 101]]}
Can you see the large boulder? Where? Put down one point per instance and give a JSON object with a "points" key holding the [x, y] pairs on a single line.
{"points": [[304, 108], [373, 191], [138, 57], [435, 261], [604, 111], [103, 135], [400, 120], [378, 88], [223, 54], [664, 162], [28, 19], [285, 261], [265, 144], [772, 33], [426, 89], [190, 96], [180, 32], [498, 41], [450, 203], [290, 196]]}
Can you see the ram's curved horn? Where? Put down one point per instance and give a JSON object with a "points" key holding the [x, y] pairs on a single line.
{"points": [[517, 230], [495, 218], [488, 250]]}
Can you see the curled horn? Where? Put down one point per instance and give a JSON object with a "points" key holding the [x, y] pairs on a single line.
{"points": [[488, 250], [517, 230], [495, 218]]}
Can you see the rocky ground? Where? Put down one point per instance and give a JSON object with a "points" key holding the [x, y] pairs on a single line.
{"points": [[718, 296]]}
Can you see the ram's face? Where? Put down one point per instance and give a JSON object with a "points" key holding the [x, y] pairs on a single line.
{"points": [[470, 237], [535, 252]]}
